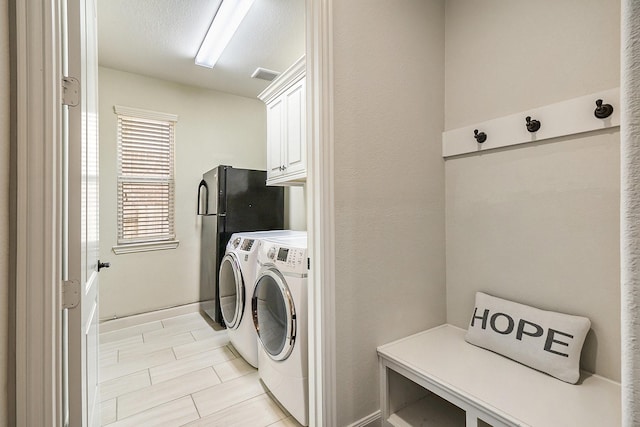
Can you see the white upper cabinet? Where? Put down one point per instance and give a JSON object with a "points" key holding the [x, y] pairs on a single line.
{"points": [[286, 127]]}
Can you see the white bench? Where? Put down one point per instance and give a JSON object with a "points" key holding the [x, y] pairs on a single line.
{"points": [[435, 378]]}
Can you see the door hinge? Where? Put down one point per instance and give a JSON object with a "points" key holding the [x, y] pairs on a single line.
{"points": [[70, 293], [70, 91], [308, 263]]}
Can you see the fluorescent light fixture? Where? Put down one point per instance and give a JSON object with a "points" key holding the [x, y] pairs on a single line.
{"points": [[227, 20]]}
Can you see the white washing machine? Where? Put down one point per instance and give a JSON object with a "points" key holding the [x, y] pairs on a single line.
{"points": [[236, 279], [279, 307]]}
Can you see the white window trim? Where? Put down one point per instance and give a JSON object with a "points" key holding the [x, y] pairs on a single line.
{"points": [[129, 248], [146, 246], [144, 114]]}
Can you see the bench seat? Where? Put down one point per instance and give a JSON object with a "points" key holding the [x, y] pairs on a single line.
{"points": [[436, 378]]}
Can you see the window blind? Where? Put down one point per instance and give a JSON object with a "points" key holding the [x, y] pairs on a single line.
{"points": [[145, 179]]}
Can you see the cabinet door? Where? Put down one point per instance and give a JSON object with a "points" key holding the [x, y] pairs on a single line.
{"points": [[295, 148], [275, 137]]}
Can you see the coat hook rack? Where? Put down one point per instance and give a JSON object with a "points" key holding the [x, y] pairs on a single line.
{"points": [[532, 125], [602, 111], [479, 136], [569, 117]]}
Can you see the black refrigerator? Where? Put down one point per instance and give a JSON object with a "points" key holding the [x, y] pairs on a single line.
{"points": [[231, 200]]}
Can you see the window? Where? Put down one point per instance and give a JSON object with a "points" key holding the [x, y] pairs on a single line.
{"points": [[146, 141]]}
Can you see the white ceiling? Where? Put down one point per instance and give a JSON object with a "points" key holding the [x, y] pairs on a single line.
{"points": [[160, 38]]}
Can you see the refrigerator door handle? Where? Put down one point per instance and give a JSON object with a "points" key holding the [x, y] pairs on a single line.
{"points": [[204, 211]]}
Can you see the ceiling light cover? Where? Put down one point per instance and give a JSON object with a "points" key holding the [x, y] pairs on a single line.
{"points": [[227, 20]]}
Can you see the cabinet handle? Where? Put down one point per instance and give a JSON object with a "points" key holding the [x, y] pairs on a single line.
{"points": [[283, 167]]}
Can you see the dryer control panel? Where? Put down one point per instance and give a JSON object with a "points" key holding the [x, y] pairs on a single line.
{"points": [[247, 244]]}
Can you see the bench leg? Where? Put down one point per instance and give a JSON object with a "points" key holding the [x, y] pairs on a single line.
{"points": [[384, 392]]}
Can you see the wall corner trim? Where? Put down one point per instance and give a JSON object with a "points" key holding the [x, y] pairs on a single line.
{"points": [[38, 257], [321, 213], [630, 212]]}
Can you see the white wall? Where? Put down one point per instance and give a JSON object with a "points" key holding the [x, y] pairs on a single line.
{"points": [[389, 185], [4, 203], [295, 208], [538, 224], [213, 128]]}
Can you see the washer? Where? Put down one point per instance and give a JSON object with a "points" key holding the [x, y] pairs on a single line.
{"points": [[236, 279], [279, 307]]}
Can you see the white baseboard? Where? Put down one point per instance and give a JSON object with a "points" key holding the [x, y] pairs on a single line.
{"points": [[370, 420], [108, 325]]}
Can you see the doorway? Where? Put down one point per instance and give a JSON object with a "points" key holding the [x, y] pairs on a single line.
{"points": [[146, 62], [39, 27]]}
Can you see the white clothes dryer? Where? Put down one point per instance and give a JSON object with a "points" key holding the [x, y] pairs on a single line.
{"points": [[279, 307], [236, 279]]}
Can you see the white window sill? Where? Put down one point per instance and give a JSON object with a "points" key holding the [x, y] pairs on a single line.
{"points": [[145, 247]]}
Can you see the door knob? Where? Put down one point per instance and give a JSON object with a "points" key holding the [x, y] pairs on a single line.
{"points": [[103, 265]]}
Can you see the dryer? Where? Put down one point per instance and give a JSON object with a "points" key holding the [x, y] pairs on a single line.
{"points": [[279, 305], [236, 279]]}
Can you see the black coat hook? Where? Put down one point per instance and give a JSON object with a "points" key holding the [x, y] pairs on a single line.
{"points": [[532, 125], [602, 111], [479, 136]]}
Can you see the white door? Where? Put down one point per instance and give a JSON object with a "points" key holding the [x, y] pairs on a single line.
{"points": [[81, 53]]}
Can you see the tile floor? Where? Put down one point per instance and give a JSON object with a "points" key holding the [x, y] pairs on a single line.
{"points": [[180, 371]]}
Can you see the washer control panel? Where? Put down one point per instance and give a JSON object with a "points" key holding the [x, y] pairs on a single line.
{"points": [[283, 253], [288, 254], [293, 258]]}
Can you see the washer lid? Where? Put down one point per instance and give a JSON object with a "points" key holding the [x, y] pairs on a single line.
{"points": [[274, 314], [231, 290]]}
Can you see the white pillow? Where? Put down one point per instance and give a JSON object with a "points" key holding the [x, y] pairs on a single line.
{"points": [[544, 340]]}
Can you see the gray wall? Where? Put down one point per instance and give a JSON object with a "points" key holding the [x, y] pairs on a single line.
{"points": [[213, 128], [4, 210], [389, 185], [538, 224]]}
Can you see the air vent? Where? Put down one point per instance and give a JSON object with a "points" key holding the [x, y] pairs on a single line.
{"points": [[264, 74]]}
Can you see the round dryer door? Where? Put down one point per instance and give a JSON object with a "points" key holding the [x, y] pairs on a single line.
{"points": [[274, 314], [231, 290]]}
